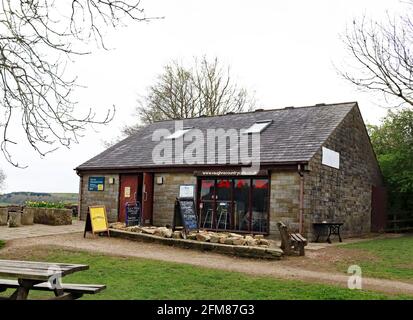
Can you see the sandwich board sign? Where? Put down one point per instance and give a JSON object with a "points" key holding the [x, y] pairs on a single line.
{"points": [[96, 220], [185, 215]]}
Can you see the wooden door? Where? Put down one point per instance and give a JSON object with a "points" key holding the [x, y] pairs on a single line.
{"points": [[129, 184], [378, 209], [147, 198]]}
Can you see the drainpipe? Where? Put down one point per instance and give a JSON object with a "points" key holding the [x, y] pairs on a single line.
{"points": [[80, 196], [301, 208]]}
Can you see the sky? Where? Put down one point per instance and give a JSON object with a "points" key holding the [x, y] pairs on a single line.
{"points": [[283, 51]]}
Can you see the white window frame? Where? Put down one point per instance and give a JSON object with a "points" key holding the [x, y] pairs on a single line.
{"points": [[178, 134], [258, 126]]}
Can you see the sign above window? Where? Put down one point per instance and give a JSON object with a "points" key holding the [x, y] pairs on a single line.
{"points": [[330, 158]]}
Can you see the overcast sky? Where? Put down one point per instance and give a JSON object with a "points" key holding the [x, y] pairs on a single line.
{"points": [[284, 51]]}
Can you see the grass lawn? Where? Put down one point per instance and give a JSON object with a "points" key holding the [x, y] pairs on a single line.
{"points": [[387, 258], [133, 278], [2, 243]]}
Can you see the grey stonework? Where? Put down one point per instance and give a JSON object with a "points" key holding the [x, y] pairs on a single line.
{"points": [[343, 195], [108, 197], [165, 195]]}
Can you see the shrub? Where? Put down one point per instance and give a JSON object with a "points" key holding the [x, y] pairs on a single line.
{"points": [[44, 204]]}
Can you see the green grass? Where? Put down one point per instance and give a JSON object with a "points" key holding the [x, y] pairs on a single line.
{"points": [[392, 258], [133, 278], [2, 243]]}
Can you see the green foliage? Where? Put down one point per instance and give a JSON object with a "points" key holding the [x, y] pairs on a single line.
{"points": [[2, 243], [133, 278], [393, 143], [393, 258], [44, 204]]}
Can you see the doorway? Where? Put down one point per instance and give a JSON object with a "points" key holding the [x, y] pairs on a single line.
{"points": [[130, 192]]}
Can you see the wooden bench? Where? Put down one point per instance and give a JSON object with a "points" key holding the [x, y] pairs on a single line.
{"points": [[291, 243], [71, 291]]}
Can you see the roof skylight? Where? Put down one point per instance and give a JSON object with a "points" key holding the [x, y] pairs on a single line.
{"points": [[258, 126], [178, 134]]}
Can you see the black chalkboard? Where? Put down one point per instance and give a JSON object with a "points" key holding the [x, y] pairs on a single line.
{"points": [[185, 214], [133, 214]]}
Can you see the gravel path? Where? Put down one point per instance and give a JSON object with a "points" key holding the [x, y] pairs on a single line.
{"points": [[286, 268]]}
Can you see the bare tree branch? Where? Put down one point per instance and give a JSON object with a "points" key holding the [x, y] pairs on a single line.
{"points": [[381, 56], [37, 39], [181, 92]]}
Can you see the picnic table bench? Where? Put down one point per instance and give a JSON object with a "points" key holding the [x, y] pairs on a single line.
{"points": [[43, 276], [291, 242]]}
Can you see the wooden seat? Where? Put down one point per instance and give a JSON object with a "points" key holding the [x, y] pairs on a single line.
{"points": [[291, 243], [75, 290]]}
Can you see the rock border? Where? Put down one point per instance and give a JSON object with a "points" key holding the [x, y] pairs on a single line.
{"points": [[234, 250]]}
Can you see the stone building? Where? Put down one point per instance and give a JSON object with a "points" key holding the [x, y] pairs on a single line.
{"points": [[316, 164]]}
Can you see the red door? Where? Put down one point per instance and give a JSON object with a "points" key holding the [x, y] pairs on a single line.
{"points": [[378, 209], [129, 184], [147, 198]]}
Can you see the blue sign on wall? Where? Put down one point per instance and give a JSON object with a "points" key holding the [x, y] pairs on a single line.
{"points": [[96, 184]]}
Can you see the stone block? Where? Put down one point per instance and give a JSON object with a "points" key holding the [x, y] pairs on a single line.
{"points": [[27, 217], [52, 216], [14, 219], [4, 214]]}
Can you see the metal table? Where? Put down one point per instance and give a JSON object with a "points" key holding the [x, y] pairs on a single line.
{"points": [[40, 274], [332, 227]]}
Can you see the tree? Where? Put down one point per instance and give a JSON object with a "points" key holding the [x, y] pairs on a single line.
{"points": [[2, 179], [381, 56], [205, 89], [37, 40], [393, 143]]}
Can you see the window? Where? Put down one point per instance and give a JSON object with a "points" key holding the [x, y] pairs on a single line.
{"points": [[179, 133], [258, 126], [236, 204]]}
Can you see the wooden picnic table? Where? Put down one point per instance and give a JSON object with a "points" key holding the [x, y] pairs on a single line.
{"points": [[43, 276]]}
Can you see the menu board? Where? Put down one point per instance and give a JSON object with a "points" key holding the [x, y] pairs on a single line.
{"points": [[133, 214], [185, 215]]}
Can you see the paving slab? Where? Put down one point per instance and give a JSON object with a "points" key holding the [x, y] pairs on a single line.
{"points": [[39, 230]]}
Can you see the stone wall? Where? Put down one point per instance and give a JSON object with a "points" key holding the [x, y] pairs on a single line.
{"points": [[165, 195], [284, 200], [343, 194], [109, 197]]}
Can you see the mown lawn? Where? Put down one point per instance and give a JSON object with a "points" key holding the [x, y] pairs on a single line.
{"points": [[132, 278], [393, 258], [2, 243]]}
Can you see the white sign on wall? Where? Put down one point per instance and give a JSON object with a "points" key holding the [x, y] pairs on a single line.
{"points": [[186, 191], [330, 158]]}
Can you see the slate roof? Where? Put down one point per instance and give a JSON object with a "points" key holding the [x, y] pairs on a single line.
{"points": [[294, 135]]}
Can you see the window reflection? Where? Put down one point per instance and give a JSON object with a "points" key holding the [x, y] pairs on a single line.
{"points": [[239, 204]]}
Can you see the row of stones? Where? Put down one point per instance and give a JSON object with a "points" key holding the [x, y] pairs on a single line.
{"points": [[236, 250], [203, 236], [28, 216]]}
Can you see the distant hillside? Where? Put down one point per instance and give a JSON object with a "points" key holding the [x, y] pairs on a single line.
{"points": [[19, 198]]}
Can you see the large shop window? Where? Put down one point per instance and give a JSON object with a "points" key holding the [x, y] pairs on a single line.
{"points": [[236, 204]]}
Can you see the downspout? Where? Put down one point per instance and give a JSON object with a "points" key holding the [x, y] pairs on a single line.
{"points": [[301, 200], [80, 196]]}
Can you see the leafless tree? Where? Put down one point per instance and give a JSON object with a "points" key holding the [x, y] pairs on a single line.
{"points": [[37, 40], [180, 92], [381, 56]]}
